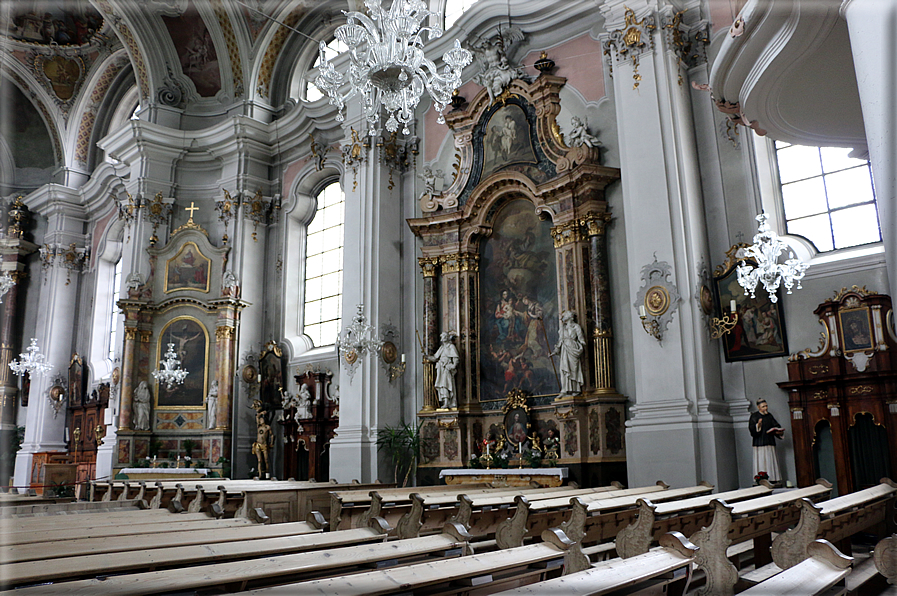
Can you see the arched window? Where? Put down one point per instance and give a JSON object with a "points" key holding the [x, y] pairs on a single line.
{"points": [[828, 197], [324, 267], [454, 9]]}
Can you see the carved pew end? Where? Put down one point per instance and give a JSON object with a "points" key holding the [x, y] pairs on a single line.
{"points": [[679, 543], [258, 515], [826, 551], [316, 519], [574, 559], [380, 525]]}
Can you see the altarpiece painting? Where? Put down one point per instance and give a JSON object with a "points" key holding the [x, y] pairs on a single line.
{"points": [[187, 270], [191, 344]]}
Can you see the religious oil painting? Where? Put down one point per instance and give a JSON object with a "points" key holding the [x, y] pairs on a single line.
{"points": [[759, 331], [272, 376], [187, 270], [517, 426], [518, 305], [856, 330], [197, 54], [506, 140], [76, 380], [68, 24], [191, 345]]}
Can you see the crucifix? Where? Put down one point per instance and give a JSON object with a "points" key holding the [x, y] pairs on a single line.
{"points": [[191, 209]]}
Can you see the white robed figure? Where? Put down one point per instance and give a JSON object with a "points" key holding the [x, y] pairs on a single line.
{"points": [[570, 347], [446, 359]]}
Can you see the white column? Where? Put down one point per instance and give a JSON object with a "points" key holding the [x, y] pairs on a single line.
{"points": [[372, 266], [678, 419], [872, 25]]}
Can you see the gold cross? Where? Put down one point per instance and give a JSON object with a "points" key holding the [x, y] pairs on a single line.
{"points": [[191, 209]]}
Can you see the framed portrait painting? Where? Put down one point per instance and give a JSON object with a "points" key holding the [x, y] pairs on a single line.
{"points": [[517, 425], [760, 329], [856, 329]]}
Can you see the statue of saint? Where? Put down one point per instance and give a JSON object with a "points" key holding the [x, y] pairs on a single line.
{"points": [[446, 359], [264, 440], [579, 134], [304, 409], [142, 407], [765, 429], [570, 347], [212, 405]]}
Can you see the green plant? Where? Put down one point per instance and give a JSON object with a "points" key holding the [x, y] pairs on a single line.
{"points": [[533, 458], [402, 443], [154, 447], [189, 446], [62, 490]]}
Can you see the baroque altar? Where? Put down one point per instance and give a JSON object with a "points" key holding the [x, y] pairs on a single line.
{"points": [[515, 242]]}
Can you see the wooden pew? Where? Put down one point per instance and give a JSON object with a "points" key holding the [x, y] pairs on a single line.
{"points": [[70, 508], [686, 516], [755, 520], [137, 559], [834, 520], [488, 572], [609, 514], [822, 572], [89, 521], [483, 514], [156, 540], [673, 557], [238, 575], [442, 508]]}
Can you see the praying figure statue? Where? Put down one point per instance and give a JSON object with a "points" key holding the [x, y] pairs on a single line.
{"points": [[446, 359], [579, 134], [212, 405], [570, 347], [141, 408]]}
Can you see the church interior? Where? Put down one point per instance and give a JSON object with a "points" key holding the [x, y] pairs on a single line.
{"points": [[321, 262]]}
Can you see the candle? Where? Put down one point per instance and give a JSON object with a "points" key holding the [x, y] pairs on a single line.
{"points": [[66, 434], [403, 358], [641, 311], [487, 448], [520, 448], [732, 305], [260, 378]]}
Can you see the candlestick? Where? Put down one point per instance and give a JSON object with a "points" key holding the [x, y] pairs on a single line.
{"points": [[641, 311], [731, 305], [487, 448]]}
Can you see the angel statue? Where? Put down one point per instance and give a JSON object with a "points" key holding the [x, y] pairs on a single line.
{"points": [[496, 72], [579, 135]]}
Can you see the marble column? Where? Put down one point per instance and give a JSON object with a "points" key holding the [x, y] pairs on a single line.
{"points": [[225, 336], [128, 377], [599, 302], [468, 375], [431, 331]]}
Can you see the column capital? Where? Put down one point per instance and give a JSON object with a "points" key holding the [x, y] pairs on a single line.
{"points": [[596, 223], [428, 265], [566, 233]]}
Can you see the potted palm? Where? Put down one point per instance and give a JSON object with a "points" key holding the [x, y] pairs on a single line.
{"points": [[402, 443]]}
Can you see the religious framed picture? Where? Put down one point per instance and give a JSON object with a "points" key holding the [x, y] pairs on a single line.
{"points": [[759, 331], [188, 269], [506, 140], [76, 381], [856, 329], [191, 345], [271, 365], [517, 425]]}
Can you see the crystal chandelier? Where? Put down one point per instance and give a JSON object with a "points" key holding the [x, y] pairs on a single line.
{"points": [[31, 362], [357, 339], [765, 251], [7, 281], [171, 374], [388, 67]]}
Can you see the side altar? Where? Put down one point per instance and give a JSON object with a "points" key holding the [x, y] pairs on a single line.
{"points": [[516, 291]]}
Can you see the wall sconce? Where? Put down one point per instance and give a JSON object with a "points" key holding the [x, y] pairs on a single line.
{"points": [[99, 432], [724, 325], [657, 299], [389, 353], [652, 327]]}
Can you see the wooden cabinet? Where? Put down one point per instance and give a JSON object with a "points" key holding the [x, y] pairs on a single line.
{"points": [[86, 430], [843, 395], [308, 429]]}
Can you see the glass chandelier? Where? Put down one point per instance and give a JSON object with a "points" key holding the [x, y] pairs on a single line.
{"points": [[171, 374], [387, 64], [31, 362], [359, 338], [765, 251]]}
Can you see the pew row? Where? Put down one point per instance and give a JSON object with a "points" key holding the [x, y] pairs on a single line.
{"points": [[687, 516], [487, 572], [240, 575], [87, 522], [132, 561], [672, 558], [583, 520], [834, 520], [148, 542], [754, 519], [70, 508], [822, 572]]}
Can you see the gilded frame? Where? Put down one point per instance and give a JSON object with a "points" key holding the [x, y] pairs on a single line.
{"points": [[860, 335]]}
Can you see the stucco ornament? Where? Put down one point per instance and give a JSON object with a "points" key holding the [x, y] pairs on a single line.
{"points": [[491, 54]]}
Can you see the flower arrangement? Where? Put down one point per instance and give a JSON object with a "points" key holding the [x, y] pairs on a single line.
{"points": [[761, 476]]}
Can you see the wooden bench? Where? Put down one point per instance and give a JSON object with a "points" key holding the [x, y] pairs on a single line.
{"points": [[885, 558], [79, 566], [822, 572], [583, 520], [754, 519], [487, 572], [73, 507], [686, 516], [155, 540], [89, 521], [440, 509], [672, 558], [835, 520], [240, 575]]}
